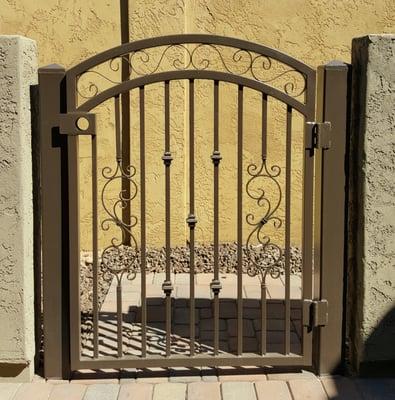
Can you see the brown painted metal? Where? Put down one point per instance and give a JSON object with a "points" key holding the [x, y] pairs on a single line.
{"points": [[191, 220], [54, 222], [248, 359], [330, 216], [117, 115], [119, 320], [316, 313], [37, 245], [303, 108], [62, 160], [68, 123], [143, 225], [263, 319], [263, 344], [167, 159], [186, 39], [125, 104], [95, 238], [307, 223], [119, 149], [264, 126], [74, 242], [288, 158], [240, 220], [216, 158]]}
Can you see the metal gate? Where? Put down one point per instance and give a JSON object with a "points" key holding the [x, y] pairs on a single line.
{"points": [[97, 340]]}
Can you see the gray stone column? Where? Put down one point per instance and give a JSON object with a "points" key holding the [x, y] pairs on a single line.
{"points": [[18, 70], [371, 274]]}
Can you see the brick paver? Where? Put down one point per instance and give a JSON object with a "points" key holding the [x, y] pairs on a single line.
{"points": [[276, 390], [170, 391], [238, 391], [8, 390], [182, 279], [209, 378], [57, 381], [201, 291], [242, 378], [185, 379], [204, 391], [102, 392], [136, 391], [209, 374], [89, 382], [307, 389], [154, 291], [301, 386], [33, 391], [204, 279], [291, 376], [66, 391], [228, 292], [340, 388], [156, 314], [153, 379]]}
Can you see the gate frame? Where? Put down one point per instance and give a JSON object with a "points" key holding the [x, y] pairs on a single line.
{"points": [[54, 223], [329, 248], [331, 201]]}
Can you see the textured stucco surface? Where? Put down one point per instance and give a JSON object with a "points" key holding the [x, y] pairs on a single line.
{"points": [[313, 31], [372, 262], [18, 70]]}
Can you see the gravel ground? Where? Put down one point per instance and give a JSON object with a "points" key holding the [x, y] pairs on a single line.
{"points": [[179, 262]]}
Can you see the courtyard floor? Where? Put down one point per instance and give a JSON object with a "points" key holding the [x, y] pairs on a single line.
{"points": [[249, 383], [204, 318], [207, 385]]}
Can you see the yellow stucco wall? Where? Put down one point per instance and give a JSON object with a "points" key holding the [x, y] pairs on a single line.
{"points": [[313, 31]]}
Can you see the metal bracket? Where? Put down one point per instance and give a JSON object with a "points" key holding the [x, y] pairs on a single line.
{"points": [[215, 286], [191, 221], [77, 123], [315, 313], [318, 135], [167, 287]]}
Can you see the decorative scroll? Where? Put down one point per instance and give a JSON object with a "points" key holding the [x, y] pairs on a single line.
{"points": [[199, 56], [116, 258], [272, 264]]}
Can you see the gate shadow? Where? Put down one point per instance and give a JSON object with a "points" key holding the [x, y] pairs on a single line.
{"points": [[155, 330]]}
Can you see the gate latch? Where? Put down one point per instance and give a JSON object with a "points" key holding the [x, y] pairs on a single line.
{"points": [[315, 313], [319, 134], [77, 123]]}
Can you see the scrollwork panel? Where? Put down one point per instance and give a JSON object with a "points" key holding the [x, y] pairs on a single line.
{"points": [[196, 56]]}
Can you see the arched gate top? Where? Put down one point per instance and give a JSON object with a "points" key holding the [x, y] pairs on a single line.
{"points": [[192, 56]]}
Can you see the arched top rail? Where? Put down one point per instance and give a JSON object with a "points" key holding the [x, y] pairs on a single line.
{"points": [[265, 66], [143, 44], [191, 74]]}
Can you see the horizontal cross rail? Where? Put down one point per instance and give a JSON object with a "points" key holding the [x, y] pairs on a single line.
{"points": [[272, 359]]}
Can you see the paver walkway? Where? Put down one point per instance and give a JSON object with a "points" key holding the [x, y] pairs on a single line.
{"points": [[203, 383], [156, 314], [207, 385]]}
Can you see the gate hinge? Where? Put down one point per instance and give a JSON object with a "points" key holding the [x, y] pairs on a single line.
{"points": [[315, 313], [318, 135], [77, 123]]}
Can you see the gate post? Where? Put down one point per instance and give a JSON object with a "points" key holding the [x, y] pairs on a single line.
{"points": [[331, 213], [53, 166]]}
